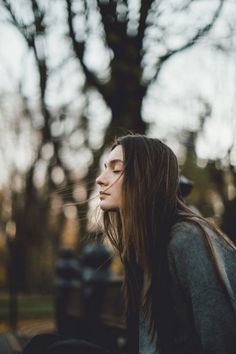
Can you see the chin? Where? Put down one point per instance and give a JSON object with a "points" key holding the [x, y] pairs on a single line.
{"points": [[108, 207]]}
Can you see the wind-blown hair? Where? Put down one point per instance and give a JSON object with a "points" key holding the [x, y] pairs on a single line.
{"points": [[140, 231], [150, 188]]}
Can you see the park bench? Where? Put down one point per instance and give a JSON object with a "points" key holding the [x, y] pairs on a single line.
{"points": [[9, 343], [88, 303], [88, 298], [94, 311]]}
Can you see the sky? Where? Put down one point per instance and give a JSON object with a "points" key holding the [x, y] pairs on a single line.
{"points": [[172, 103]]}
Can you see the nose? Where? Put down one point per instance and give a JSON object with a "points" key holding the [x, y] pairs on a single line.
{"points": [[101, 180]]}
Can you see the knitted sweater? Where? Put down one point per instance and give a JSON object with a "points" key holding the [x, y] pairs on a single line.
{"points": [[203, 318]]}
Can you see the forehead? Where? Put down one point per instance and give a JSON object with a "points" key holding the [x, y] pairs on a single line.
{"points": [[116, 154]]}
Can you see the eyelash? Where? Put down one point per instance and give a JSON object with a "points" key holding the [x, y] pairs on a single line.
{"points": [[116, 171]]}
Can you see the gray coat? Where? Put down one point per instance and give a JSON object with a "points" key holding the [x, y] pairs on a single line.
{"points": [[203, 317]]}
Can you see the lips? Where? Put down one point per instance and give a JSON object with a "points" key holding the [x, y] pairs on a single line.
{"points": [[103, 193]]}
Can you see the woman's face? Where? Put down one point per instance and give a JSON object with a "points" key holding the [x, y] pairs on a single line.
{"points": [[110, 180]]}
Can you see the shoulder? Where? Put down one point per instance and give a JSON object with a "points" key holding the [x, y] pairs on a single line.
{"points": [[189, 260], [184, 236], [191, 235], [188, 252]]}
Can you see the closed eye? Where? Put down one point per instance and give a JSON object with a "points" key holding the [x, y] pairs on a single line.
{"points": [[116, 171]]}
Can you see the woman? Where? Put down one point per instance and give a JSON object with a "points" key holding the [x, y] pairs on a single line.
{"points": [[180, 283], [179, 270]]}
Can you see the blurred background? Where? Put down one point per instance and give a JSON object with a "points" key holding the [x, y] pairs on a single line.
{"points": [[74, 75]]}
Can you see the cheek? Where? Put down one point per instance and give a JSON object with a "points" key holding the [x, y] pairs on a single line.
{"points": [[119, 189]]}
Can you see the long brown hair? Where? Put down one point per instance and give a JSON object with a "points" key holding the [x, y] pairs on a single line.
{"points": [[151, 205]]}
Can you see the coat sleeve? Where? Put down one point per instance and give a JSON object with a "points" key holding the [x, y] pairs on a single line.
{"points": [[201, 306]]}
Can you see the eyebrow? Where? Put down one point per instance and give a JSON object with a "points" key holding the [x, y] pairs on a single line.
{"points": [[112, 162]]}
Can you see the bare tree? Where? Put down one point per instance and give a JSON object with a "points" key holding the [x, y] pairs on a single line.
{"points": [[137, 40]]}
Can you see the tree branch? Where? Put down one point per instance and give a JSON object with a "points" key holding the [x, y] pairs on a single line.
{"points": [[20, 26], [79, 49], [145, 7], [115, 30], [201, 33]]}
